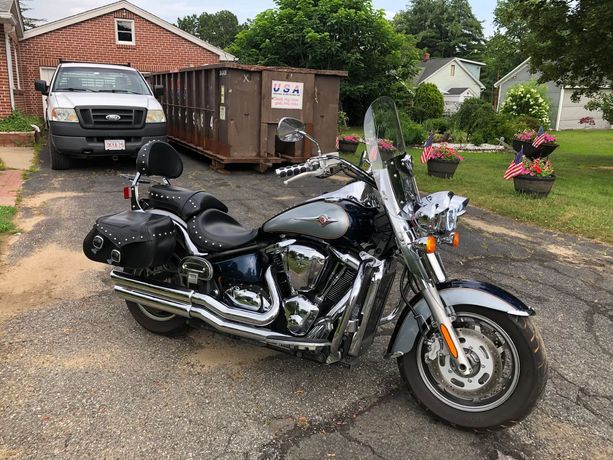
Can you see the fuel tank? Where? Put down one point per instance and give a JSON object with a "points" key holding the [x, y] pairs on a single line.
{"points": [[340, 220]]}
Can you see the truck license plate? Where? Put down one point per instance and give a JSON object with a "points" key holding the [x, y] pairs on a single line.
{"points": [[114, 144]]}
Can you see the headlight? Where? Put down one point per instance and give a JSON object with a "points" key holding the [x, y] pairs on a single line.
{"points": [[438, 213], [65, 115], [155, 116]]}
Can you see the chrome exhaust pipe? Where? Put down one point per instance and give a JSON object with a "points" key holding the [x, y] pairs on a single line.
{"points": [[194, 299], [177, 301]]}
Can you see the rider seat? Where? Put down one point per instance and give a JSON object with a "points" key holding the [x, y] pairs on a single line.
{"points": [[181, 201], [214, 230]]}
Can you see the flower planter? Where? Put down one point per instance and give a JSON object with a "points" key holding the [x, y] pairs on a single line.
{"points": [[347, 147], [442, 168], [530, 152], [534, 185]]}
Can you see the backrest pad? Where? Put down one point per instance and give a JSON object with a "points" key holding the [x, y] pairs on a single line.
{"points": [[158, 158]]}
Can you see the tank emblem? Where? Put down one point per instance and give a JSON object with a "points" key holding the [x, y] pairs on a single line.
{"points": [[322, 220]]}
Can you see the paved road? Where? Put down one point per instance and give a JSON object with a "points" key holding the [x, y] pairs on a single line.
{"points": [[80, 379]]}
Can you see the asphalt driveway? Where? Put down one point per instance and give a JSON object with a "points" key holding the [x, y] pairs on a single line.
{"points": [[80, 379]]}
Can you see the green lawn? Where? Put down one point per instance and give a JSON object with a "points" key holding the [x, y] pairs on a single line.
{"points": [[6, 219], [579, 203]]}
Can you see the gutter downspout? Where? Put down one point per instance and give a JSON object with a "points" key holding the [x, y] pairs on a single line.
{"points": [[9, 65], [560, 108]]}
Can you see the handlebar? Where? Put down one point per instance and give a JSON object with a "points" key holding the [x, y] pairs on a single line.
{"points": [[321, 166], [294, 170]]}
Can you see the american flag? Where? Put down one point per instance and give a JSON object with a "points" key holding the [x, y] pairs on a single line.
{"points": [[425, 154], [337, 143], [539, 139], [515, 167]]}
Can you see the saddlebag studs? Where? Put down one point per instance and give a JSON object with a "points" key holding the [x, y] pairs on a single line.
{"points": [[131, 239]]}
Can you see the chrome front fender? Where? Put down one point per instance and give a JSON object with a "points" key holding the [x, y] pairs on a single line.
{"points": [[453, 293]]}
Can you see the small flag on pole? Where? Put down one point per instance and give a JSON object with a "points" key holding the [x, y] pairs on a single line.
{"points": [[425, 154], [337, 143], [515, 167], [539, 139]]}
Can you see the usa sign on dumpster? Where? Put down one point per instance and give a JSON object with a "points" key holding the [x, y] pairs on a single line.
{"points": [[287, 95]]}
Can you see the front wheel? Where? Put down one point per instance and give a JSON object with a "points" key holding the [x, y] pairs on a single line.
{"points": [[509, 370], [59, 161]]}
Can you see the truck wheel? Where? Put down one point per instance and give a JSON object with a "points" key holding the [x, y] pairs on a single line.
{"points": [[58, 161]]}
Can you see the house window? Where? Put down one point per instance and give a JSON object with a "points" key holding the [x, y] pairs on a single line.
{"points": [[453, 70], [124, 31]]}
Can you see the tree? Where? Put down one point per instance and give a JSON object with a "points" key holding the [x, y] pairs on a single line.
{"points": [[219, 29], [502, 54], [428, 102], [28, 22], [570, 43], [444, 28], [332, 34]]}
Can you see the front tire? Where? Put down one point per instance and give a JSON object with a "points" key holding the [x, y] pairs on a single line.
{"points": [[58, 160], [509, 371]]}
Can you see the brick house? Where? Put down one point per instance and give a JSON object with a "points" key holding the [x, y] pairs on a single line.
{"points": [[118, 33]]}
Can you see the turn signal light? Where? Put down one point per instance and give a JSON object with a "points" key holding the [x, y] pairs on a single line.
{"points": [[452, 349], [126, 193], [430, 244], [456, 239]]}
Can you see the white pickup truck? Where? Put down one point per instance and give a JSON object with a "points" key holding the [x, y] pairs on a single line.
{"points": [[98, 110]]}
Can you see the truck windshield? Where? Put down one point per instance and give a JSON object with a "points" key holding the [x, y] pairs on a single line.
{"points": [[100, 80]]}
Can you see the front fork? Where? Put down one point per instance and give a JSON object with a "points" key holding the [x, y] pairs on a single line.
{"points": [[427, 270]]}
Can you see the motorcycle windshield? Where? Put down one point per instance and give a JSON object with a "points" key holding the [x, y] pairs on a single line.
{"points": [[386, 152]]}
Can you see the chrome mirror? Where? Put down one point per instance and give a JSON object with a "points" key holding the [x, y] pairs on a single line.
{"points": [[290, 129]]}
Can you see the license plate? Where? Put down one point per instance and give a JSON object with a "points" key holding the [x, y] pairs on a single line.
{"points": [[119, 144]]}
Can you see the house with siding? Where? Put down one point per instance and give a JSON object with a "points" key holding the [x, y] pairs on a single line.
{"points": [[456, 78], [563, 112], [117, 33]]}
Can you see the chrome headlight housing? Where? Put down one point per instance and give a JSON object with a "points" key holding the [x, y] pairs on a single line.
{"points": [[155, 116], [438, 213], [66, 115]]}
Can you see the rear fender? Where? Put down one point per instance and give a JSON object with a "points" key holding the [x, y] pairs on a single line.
{"points": [[453, 293]]}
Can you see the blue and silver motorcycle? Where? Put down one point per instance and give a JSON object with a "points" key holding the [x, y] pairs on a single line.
{"points": [[314, 280]]}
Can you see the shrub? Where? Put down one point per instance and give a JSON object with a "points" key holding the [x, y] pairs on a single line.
{"points": [[413, 133], [16, 121], [437, 125], [525, 99], [500, 125], [458, 136], [528, 121], [474, 114], [428, 102]]}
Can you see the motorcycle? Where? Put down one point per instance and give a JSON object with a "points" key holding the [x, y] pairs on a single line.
{"points": [[314, 279]]}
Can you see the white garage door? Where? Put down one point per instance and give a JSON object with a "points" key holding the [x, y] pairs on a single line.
{"points": [[572, 112]]}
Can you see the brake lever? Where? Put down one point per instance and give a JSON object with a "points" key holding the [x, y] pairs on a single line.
{"points": [[301, 175]]}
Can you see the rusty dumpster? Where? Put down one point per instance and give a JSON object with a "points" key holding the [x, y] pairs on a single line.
{"points": [[229, 112]]}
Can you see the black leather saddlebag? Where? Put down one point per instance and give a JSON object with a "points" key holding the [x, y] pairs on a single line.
{"points": [[131, 239]]}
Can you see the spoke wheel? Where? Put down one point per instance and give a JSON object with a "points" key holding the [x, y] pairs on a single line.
{"points": [[508, 376]]}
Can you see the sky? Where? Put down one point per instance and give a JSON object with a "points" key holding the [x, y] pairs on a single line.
{"points": [[244, 9]]}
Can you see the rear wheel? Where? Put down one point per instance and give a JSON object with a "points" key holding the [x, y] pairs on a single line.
{"points": [[58, 160], [157, 321], [508, 377]]}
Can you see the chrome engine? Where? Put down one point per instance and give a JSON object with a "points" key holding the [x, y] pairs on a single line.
{"points": [[303, 266], [248, 298], [309, 282]]}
